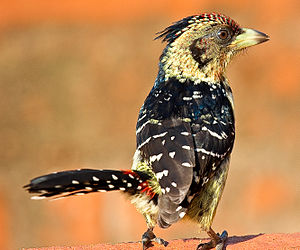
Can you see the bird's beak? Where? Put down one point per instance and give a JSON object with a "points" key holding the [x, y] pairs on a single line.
{"points": [[249, 37]]}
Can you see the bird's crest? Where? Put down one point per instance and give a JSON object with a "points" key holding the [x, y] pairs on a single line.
{"points": [[176, 29]]}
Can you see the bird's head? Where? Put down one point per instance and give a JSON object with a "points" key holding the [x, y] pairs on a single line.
{"points": [[200, 47]]}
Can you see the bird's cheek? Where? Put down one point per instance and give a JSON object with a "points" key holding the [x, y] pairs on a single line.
{"points": [[213, 52]]}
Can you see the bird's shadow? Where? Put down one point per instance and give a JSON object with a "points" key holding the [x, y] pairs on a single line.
{"points": [[237, 239], [230, 241]]}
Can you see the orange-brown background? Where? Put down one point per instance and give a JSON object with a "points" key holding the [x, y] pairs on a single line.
{"points": [[73, 76]]}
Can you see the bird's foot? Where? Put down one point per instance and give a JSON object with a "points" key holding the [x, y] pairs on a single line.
{"points": [[149, 237], [217, 241]]}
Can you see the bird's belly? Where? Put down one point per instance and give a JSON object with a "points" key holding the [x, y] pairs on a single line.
{"points": [[203, 206], [145, 206]]}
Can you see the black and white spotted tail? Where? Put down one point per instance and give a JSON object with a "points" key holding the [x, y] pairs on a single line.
{"points": [[84, 181]]}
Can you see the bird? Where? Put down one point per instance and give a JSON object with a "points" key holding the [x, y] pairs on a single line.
{"points": [[185, 132]]}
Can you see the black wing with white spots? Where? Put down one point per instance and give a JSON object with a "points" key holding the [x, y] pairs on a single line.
{"points": [[170, 153], [212, 127], [184, 131]]}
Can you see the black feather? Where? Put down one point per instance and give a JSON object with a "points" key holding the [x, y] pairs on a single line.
{"points": [[84, 181], [169, 34]]}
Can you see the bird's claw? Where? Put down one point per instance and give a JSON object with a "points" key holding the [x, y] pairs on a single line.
{"points": [[149, 237], [214, 243]]}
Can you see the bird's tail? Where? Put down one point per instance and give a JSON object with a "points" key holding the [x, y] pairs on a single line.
{"points": [[84, 181]]}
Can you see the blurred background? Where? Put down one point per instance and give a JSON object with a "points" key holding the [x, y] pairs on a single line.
{"points": [[73, 75]]}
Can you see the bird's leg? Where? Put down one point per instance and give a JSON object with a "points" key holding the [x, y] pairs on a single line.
{"points": [[217, 241], [149, 236]]}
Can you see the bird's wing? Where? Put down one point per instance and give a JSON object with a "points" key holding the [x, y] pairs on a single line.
{"points": [[213, 142], [169, 146]]}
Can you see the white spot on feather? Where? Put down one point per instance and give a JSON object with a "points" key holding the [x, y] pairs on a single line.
{"points": [[160, 135], [159, 175], [38, 197], [178, 208], [95, 178], [159, 156], [182, 214], [145, 142], [197, 96], [142, 117], [186, 164], [185, 133], [214, 134], [155, 157], [205, 180], [114, 177], [172, 154]]}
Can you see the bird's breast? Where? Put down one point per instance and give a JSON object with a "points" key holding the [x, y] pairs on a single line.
{"points": [[201, 103]]}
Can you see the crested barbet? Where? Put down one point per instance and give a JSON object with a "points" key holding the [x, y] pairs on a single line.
{"points": [[185, 132]]}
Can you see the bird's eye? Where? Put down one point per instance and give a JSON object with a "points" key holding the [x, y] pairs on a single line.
{"points": [[223, 34]]}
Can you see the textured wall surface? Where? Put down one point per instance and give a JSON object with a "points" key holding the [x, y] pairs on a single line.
{"points": [[73, 75], [258, 241]]}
